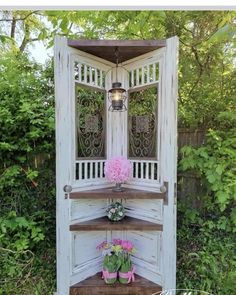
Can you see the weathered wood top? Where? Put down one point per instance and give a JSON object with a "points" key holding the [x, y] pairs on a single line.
{"points": [[108, 193], [128, 223], [127, 49], [96, 286]]}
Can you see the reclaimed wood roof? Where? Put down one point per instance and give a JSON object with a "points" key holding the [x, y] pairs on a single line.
{"points": [[128, 49]]}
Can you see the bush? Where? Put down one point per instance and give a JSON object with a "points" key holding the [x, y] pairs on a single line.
{"points": [[206, 235], [206, 256], [27, 177]]}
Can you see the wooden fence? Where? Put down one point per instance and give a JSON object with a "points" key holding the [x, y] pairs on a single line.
{"points": [[189, 186], [191, 137]]}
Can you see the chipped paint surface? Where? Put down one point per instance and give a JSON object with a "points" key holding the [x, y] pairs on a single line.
{"points": [[77, 257]]}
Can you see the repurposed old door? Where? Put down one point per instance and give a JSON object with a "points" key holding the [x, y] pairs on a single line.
{"points": [[87, 134]]}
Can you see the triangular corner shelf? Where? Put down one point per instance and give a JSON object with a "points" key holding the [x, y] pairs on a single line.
{"points": [[96, 286], [128, 223], [128, 193]]}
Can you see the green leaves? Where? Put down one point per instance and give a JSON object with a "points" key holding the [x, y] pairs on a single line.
{"points": [[215, 163], [18, 233], [225, 33], [206, 250], [27, 215]]}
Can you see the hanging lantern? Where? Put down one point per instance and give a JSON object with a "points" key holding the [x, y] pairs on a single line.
{"points": [[117, 97], [117, 94]]}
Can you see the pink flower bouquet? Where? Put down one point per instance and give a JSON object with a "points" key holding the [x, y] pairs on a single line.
{"points": [[117, 258], [118, 170]]}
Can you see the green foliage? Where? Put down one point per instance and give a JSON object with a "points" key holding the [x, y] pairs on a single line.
{"points": [[20, 239], [20, 28], [27, 130], [27, 193], [126, 266], [206, 236], [141, 102], [17, 236], [18, 233], [215, 163], [111, 262], [206, 255]]}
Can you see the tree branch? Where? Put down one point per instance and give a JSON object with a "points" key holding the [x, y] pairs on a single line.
{"points": [[13, 28], [19, 19], [25, 39]]}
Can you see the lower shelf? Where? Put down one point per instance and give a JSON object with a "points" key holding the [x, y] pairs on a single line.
{"points": [[96, 286]]}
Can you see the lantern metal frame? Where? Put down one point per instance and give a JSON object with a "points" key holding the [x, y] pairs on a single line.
{"points": [[117, 104]]}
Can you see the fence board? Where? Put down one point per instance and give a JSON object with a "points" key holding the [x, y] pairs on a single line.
{"points": [[189, 185]]}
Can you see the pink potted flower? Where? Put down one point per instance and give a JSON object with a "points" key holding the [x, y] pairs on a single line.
{"points": [[117, 259], [126, 271], [118, 170], [111, 261]]}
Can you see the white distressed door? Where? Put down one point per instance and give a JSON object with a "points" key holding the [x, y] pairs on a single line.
{"points": [[153, 74], [81, 141]]}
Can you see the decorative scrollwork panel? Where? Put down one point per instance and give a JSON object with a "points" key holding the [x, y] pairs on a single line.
{"points": [[90, 114], [143, 123]]}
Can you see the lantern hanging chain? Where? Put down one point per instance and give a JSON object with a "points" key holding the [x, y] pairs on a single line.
{"points": [[117, 64], [117, 61]]}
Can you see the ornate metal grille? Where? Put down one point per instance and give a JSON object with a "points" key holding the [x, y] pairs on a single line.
{"points": [[90, 122], [143, 123]]}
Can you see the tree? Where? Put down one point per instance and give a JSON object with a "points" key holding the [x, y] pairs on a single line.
{"points": [[20, 28]]}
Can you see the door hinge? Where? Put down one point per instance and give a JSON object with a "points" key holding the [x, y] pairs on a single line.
{"points": [[175, 193]]}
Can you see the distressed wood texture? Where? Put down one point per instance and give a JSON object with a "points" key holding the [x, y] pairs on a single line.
{"points": [[127, 48], [150, 221], [87, 209], [128, 193], [169, 160], [86, 260], [96, 286], [103, 223], [63, 161], [147, 262], [149, 210], [83, 249]]}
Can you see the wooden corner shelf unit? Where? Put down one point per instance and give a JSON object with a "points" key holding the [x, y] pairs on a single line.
{"points": [[88, 133]]}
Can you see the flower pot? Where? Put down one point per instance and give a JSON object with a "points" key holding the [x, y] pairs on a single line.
{"points": [[109, 277], [126, 277]]}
